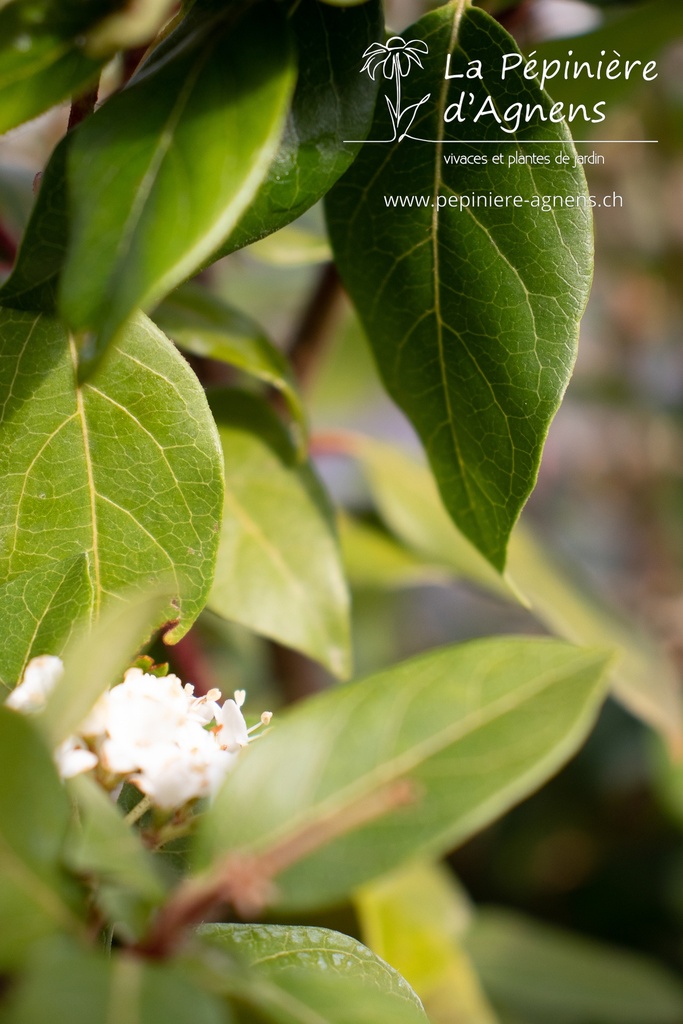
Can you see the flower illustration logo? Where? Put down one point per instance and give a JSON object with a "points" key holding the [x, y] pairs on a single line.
{"points": [[396, 57]]}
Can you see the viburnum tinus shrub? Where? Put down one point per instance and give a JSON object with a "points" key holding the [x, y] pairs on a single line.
{"points": [[140, 828]]}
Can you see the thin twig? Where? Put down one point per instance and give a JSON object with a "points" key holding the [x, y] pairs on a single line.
{"points": [[82, 107], [8, 247], [245, 881], [315, 328]]}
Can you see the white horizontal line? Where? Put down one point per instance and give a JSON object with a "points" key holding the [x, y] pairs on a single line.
{"points": [[510, 142]]}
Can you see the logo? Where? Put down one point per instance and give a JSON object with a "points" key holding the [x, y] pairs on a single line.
{"points": [[396, 58]]}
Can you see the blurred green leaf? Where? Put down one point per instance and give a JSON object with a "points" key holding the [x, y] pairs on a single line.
{"points": [[415, 918], [473, 316], [473, 728], [546, 974], [65, 984], [408, 501], [372, 558], [159, 175], [35, 896], [41, 62], [332, 103], [292, 948], [32, 285], [643, 678], [16, 196], [279, 567], [101, 845], [129, 27], [292, 246], [124, 471], [203, 324]]}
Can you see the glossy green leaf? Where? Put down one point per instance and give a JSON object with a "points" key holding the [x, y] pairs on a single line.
{"points": [[159, 175], [32, 285], [547, 974], [317, 993], [203, 324], [292, 948], [306, 998], [472, 313], [102, 846], [416, 918], [332, 103], [474, 728], [124, 471], [279, 566], [643, 678], [42, 62], [35, 896], [66, 984]]}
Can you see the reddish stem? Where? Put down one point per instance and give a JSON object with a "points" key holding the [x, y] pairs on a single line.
{"points": [[82, 107]]}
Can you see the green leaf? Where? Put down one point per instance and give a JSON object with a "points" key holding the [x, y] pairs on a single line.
{"points": [[16, 196], [32, 285], [473, 314], [332, 103], [40, 610], [41, 63], [373, 559], [203, 324], [338, 987], [292, 948], [70, 984], [546, 974], [473, 728], [124, 471], [306, 998], [279, 567], [130, 27], [101, 845], [160, 173], [643, 678], [292, 246], [416, 918], [408, 501], [35, 896]]}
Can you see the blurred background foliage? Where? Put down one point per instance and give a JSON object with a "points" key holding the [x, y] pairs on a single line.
{"points": [[598, 851]]}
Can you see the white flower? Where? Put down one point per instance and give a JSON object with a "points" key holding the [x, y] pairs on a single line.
{"points": [[192, 767], [152, 730], [72, 757], [41, 675], [232, 732]]}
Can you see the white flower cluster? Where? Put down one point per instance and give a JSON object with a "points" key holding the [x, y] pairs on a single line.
{"points": [[151, 731]]}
